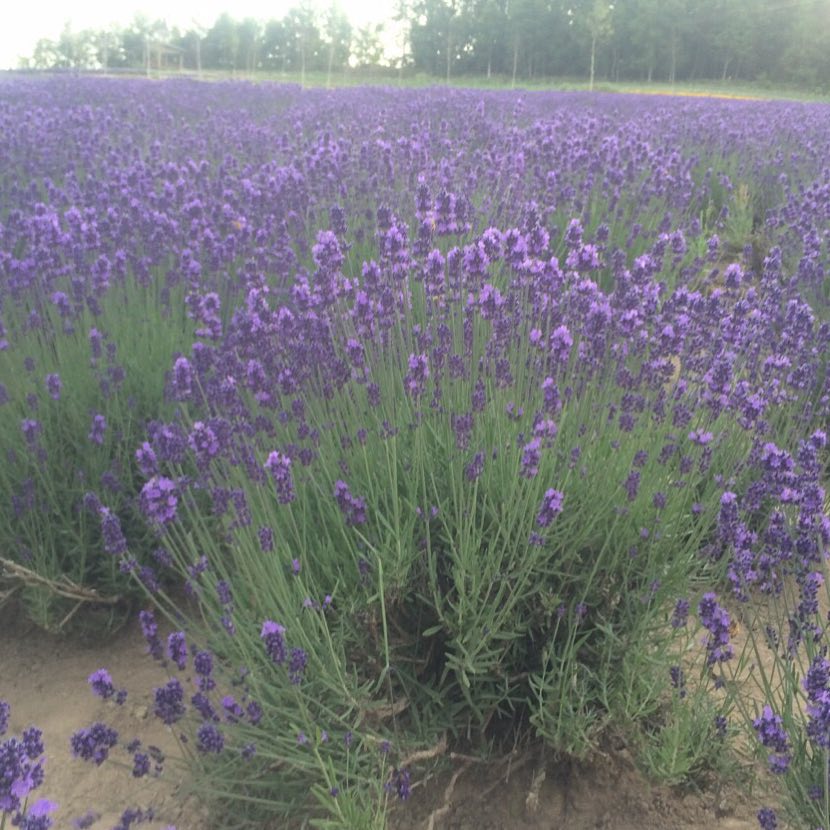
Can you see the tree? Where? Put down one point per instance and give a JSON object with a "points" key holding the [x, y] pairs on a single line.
{"points": [[337, 39], [46, 55], [367, 48], [248, 37], [595, 19], [489, 23], [303, 41], [275, 52], [220, 49]]}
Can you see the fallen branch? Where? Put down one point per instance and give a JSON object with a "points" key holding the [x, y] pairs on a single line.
{"points": [[63, 587]]}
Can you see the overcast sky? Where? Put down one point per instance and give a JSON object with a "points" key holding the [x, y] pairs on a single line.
{"points": [[24, 22]]}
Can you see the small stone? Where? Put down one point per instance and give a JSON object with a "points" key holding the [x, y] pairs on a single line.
{"points": [[140, 712]]}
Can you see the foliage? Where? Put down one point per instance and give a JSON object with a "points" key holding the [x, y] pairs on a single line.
{"points": [[450, 466], [643, 40]]}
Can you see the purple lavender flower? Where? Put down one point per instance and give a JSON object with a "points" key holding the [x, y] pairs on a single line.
{"points": [[550, 508], [159, 500], [93, 743], [767, 819], [150, 631], [5, 714], [97, 429], [203, 441], [273, 635], [223, 592], [816, 682], [201, 703], [266, 539], [21, 767], [86, 820], [560, 344], [30, 429], [254, 712], [772, 735], [168, 702], [54, 386], [32, 741], [531, 456], [297, 665], [145, 457], [678, 680], [475, 468], [141, 764], [100, 682], [209, 739], [280, 468], [181, 382], [203, 666], [632, 485], [416, 378], [233, 711], [716, 620], [353, 507], [36, 817], [114, 542], [134, 815], [177, 649], [680, 614]]}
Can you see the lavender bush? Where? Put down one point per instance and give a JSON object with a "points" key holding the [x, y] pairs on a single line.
{"points": [[463, 413]]}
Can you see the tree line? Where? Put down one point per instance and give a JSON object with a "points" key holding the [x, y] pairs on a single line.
{"points": [[780, 41]]}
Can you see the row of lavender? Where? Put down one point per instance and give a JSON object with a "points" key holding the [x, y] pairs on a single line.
{"points": [[444, 408]]}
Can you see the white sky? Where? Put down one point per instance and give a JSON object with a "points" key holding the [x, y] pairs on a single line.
{"points": [[24, 22]]}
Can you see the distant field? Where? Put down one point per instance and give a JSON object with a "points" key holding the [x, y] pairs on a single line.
{"points": [[695, 89]]}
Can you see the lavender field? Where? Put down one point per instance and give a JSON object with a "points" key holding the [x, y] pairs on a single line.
{"points": [[418, 428]]}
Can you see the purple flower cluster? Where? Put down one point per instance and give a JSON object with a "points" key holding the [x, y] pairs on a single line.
{"points": [[177, 649], [168, 702], [93, 743], [772, 735], [352, 507], [21, 766], [715, 619], [159, 500], [149, 630], [279, 466], [273, 636], [100, 682], [550, 508]]}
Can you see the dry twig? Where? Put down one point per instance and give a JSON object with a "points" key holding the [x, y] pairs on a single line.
{"points": [[427, 754], [443, 810], [63, 587]]}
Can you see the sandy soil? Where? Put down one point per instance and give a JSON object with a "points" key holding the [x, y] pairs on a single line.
{"points": [[608, 794], [44, 679]]}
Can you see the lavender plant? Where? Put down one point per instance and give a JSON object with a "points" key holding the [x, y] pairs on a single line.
{"points": [[84, 377], [384, 420], [434, 467]]}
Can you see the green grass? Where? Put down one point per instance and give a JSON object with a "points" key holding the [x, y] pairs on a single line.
{"points": [[409, 80]]}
